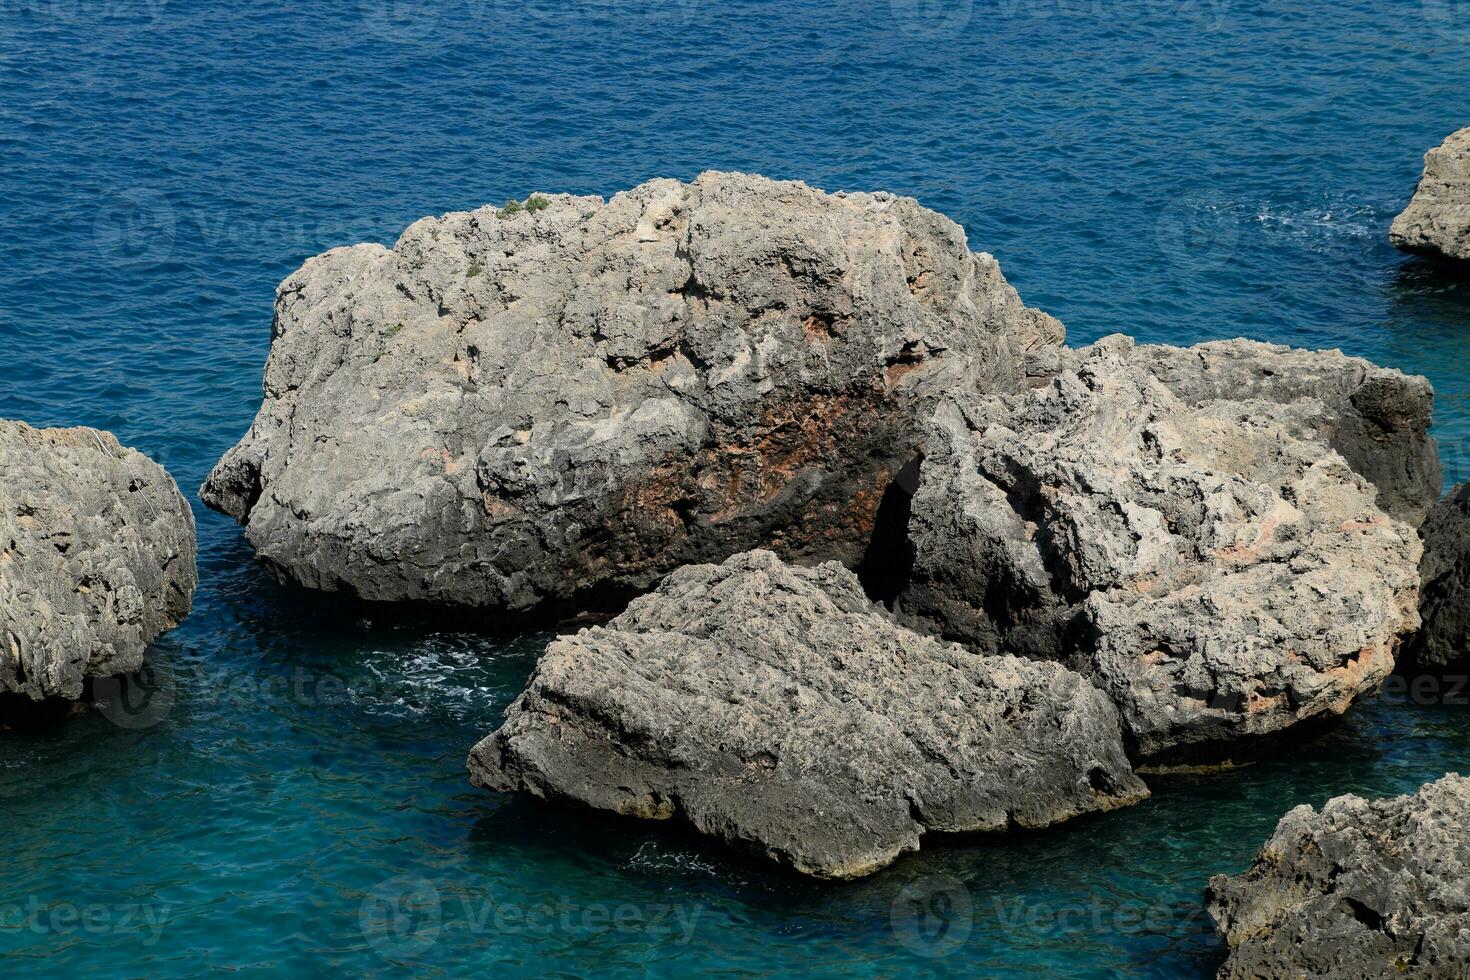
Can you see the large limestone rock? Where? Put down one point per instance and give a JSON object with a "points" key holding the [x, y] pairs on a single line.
{"points": [[775, 708], [96, 558], [1444, 602], [532, 408], [1437, 220], [1205, 558], [1364, 888]]}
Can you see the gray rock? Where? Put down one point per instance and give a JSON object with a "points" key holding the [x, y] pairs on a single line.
{"points": [[775, 708], [96, 558], [1444, 597], [513, 410], [1210, 564], [1437, 220], [1365, 888], [1376, 418]]}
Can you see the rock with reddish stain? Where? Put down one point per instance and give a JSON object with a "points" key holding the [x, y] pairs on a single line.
{"points": [[96, 559], [1212, 564], [776, 708], [554, 407], [1361, 888]]}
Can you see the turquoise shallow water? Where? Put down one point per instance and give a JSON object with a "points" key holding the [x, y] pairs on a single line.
{"points": [[1177, 170]]}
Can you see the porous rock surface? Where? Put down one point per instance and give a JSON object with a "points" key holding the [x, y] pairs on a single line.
{"points": [[1209, 562], [1363, 888], [776, 708], [97, 558], [519, 409], [1437, 220], [1444, 598], [1376, 418]]}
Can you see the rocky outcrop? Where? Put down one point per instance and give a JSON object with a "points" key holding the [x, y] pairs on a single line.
{"points": [[1203, 556], [96, 558], [774, 707], [1377, 419], [1444, 598], [537, 405], [1437, 220], [1364, 888]]}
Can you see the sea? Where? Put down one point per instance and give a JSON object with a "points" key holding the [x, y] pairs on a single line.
{"points": [[286, 795]]}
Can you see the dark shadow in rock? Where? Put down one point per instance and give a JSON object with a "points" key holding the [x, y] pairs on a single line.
{"points": [[1430, 269], [134, 700], [18, 713], [1223, 756], [889, 558], [1429, 325]]}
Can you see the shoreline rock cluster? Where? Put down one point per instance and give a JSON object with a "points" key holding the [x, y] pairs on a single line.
{"points": [[706, 394], [97, 559], [709, 403]]}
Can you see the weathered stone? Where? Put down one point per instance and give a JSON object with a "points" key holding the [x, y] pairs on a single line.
{"points": [[1444, 598], [96, 558], [512, 410], [775, 707], [1209, 563], [1364, 888], [1376, 418], [1437, 220]]}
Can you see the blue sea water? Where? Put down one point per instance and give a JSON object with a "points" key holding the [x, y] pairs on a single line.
{"points": [[291, 798]]}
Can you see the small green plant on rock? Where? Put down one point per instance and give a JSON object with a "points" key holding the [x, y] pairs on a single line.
{"points": [[533, 204]]}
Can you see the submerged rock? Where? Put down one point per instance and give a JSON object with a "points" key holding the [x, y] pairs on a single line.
{"points": [[1202, 556], [96, 558], [774, 707], [1444, 597], [1437, 220], [1364, 888], [537, 405]]}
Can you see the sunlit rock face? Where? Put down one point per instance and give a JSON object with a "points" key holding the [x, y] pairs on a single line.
{"points": [[97, 558], [1437, 220], [532, 407], [777, 709], [1208, 559]]}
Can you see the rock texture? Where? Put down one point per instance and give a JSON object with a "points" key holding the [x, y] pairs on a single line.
{"points": [[1444, 603], [96, 558], [1437, 220], [531, 406], [774, 707], [1365, 888], [1377, 419], [1203, 556]]}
